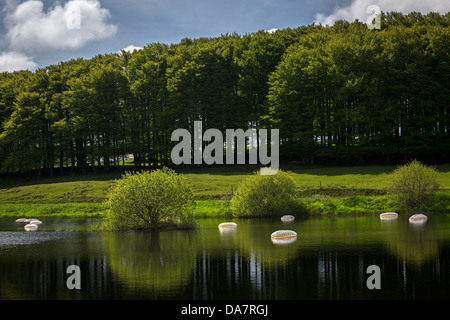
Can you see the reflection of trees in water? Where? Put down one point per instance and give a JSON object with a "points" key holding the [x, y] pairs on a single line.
{"points": [[414, 243], [326, 274], [155, 261], [233, 274], [328, 261], [246, 265], [254, 242], [237, 273], [164, 261], [39, 271]]}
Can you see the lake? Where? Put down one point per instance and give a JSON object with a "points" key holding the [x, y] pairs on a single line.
{"points": [[328, 260]]}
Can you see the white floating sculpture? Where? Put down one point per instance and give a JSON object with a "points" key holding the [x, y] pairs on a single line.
{"points": [[418, 218], [31, 227], [283, 236], [227, 225], [287, 218], [388, 216]]}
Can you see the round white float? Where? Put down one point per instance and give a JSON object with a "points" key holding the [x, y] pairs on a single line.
{"points": [[227, 228], [388, 216], [227, 225], [283, 236], [418, 218], [30, 227], [287, 218]]}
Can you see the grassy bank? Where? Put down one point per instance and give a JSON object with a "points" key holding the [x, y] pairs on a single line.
{"points": [[323, 190], [370, 204], [62, 210]]}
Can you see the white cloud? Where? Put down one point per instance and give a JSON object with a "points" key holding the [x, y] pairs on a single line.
{"points": [[30, 30], [271, 30], [131, 48], [358, 9], [68, 26], [14, 61]]}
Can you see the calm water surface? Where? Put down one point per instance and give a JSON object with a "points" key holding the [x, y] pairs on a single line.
{"points": [[328, 260]]}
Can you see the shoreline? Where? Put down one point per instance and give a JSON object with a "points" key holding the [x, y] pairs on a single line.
{"points": [[355, 205]]}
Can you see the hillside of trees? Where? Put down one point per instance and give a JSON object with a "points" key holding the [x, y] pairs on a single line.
{"points": [[337, 94]]}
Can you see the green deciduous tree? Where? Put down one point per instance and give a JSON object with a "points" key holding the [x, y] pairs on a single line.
{"points": [[265, 196], [414, 184], [149, 199], [341, 93]]}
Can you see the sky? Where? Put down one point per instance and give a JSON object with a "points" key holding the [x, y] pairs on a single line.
{"points": [[38, 33]]}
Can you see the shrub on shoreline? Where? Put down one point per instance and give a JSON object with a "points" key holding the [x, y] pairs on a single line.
{"points": [[265, 196], [414, 184], [156, 199]]}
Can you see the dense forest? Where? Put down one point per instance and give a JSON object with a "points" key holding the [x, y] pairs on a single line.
{"points": [[338, 94]]}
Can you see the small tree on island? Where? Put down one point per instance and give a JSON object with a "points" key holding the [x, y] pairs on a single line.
{"points": [[261, 195], [160, 198], [414, 184]]}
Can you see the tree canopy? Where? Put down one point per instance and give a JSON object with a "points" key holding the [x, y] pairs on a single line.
{"points": [[341, 93]]}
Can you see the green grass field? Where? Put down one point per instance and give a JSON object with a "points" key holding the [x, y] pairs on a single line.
{"points": [[325, 189]]}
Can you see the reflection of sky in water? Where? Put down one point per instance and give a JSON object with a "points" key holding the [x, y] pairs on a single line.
{"points": [[13, 234], [14, 238]]}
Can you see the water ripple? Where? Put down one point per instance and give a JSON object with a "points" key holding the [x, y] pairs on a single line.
{"points": [[12, 238]]}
